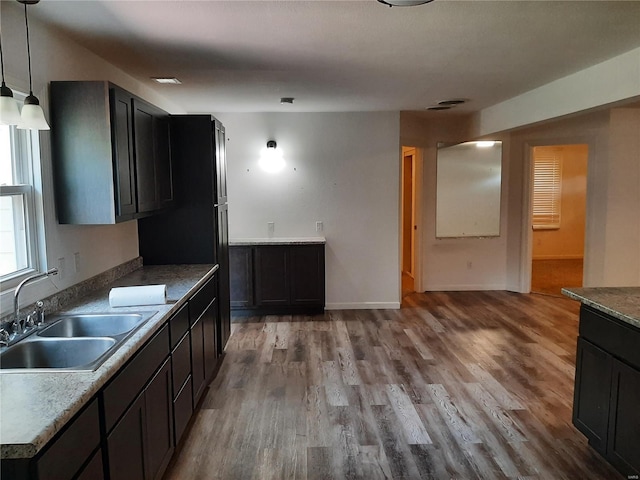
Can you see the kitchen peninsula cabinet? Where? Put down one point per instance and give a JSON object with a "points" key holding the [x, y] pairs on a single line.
{"points": [[111, 154], [277, 276], [607, 388]]}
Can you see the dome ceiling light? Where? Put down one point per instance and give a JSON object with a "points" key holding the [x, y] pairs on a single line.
{"points": [[404, 3], [447, 104]]}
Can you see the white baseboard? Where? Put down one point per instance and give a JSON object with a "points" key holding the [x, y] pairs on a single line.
{"points": [[463, 288], [363, 306]]}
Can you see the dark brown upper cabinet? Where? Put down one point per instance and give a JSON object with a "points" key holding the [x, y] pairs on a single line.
{"points": [[111, 154]]}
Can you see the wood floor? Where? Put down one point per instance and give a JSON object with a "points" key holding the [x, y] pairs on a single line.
{"points": [[466, 385]]}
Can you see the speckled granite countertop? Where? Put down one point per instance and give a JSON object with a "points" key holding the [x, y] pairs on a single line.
{"points": [[619, 302], [277, 241], [35, 406]]}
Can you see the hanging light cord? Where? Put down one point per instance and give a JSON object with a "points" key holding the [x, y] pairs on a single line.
{"points": [[26, 22], [1, 62]]}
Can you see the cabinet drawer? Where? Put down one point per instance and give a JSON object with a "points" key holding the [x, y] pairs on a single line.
{"points": [[179, 325], [181, 359], [128, 383], [182, 410], [611, 334], [66, 455], [201, 299]]}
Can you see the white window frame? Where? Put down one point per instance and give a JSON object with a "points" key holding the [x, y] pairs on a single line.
{"points": [[547, 192], [26, 146]]}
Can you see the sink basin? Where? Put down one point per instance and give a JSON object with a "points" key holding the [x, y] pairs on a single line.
{"points": [[72, 342], [59, 353], [93, 325]]}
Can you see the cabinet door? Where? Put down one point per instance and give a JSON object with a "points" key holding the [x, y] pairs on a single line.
{"points": [[624, 420], [163, 162], [241, 277], [145, 157], [124, 171], [126, 444], [94, 469], [221, 163], [159, 422], [197, 360], [209, 319], [224, 295], [306, 266], [592, 392], [272, 280]]}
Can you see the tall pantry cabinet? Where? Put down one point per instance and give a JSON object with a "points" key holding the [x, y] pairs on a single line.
{"points": [[195, 231]]}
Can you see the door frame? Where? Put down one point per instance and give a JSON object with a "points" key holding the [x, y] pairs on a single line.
{"points": [[417, 182], [526, 257]]}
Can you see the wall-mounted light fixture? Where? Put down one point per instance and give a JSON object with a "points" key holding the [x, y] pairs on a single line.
{"points": [[271, 159], [32, 117], [9, 112]]}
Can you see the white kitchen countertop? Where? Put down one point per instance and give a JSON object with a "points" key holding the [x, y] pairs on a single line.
{"points": [[35, 406]]}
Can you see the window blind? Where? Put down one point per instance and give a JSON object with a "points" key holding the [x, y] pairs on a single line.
{"points": [[547, 183]]}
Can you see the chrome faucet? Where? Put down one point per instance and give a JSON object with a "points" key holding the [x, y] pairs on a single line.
{"points": [[16, 327]]}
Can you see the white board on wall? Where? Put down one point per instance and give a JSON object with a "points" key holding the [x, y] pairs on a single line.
{"points": [[468, 188]]}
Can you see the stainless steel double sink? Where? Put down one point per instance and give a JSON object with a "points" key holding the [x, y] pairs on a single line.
{"points": [[73, 342]]}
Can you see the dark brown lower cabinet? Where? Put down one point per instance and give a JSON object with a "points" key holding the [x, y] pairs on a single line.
{"points": [[125, 444], [141, 444], [159, 405], [591, 393], [129, 432], [73, 453], [607, 389], [277, 279], [197, 361], [203, 314], [94, 470], [624, 420]]}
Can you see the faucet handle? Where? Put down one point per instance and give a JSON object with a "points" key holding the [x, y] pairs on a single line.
{"points": [[39, 313], [30, 321], [4, 337]]}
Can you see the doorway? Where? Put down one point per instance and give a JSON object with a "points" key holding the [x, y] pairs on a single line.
{"points": [[559, 196], [408, 222]]}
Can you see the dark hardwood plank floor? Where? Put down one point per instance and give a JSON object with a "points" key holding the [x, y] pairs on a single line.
{"points": [[464, 385]]}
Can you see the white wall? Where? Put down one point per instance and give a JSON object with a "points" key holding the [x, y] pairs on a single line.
{"points": [[343, 169], [56, 58], [612, 239], [445, 262]]}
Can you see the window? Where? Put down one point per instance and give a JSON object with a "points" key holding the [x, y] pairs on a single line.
{"points": [[547, 182], [18, 240]]}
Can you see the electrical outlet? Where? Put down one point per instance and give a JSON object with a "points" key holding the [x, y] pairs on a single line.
{"points": [[271, 227], [319, 226], [62, 267], [76, 260]]}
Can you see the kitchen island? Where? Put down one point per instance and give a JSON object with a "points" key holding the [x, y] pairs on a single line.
{"points": [[607, 382], [36, 407]]}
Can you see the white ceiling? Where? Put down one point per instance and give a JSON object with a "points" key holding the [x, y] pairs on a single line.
{"points": [[242, 56]]}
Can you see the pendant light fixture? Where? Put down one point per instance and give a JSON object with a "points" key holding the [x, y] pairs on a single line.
{"points": [[9, 112], [32, 117]]}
